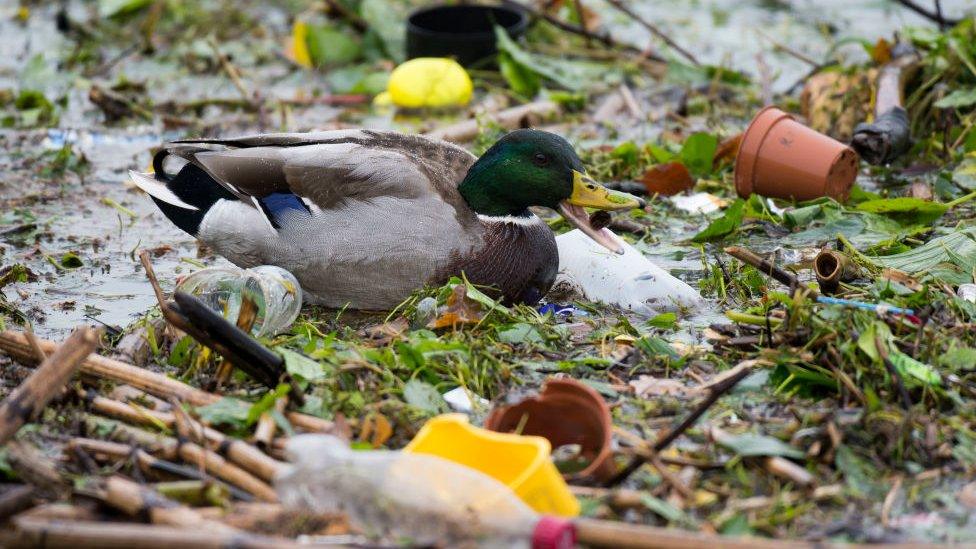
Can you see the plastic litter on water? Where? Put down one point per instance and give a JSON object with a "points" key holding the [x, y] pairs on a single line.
{"points": [[274, 291]]}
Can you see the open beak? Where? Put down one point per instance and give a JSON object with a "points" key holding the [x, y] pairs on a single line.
{"points": [[590, 194]]}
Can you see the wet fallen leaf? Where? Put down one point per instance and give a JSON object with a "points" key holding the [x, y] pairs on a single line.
{"points": [[833, 103], [967, 495], [460, 310], [881, 52], [381, 335], [668, 179], [727, 150], [649, 386], [376, 430]]}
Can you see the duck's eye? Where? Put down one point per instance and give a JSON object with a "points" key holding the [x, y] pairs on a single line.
{"points": [[540, 160]]}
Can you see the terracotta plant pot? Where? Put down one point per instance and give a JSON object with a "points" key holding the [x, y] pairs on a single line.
{"points": [[565, 412], [781, 158]]}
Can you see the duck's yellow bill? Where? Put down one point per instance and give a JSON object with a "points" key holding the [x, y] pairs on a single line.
{"points": [[589, 193]]}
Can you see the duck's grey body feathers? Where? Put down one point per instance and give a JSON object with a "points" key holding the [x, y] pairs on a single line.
{"points": [[382, 215]]}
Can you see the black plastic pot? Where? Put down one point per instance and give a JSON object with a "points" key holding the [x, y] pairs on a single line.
{"points": [[464, 33]]}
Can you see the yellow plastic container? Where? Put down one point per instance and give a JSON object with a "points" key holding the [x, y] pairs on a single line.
{"points": [[521, 462]]}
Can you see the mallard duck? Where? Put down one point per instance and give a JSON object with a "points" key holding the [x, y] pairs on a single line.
{"points": [[363, 218]]}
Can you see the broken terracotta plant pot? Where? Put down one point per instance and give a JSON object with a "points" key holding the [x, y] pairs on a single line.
{"points": [[781, 158], [565, 412]]}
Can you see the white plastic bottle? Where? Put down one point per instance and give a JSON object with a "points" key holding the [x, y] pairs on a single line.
{"points": [[275, 291], [416, 499]]}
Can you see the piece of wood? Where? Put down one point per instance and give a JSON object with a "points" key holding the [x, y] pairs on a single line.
{"points": [[241, 453], [516, 117], [714, 393], [103, 449], [15, 499], [14, 343], [33, 395], [51, 534], [135, 500], [264, 433], [621, 535]]}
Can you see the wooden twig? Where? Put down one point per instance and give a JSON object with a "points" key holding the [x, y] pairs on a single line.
{"points": [[768, 268], [653, 29], [667, 438], [15, 499], [621, 535], [32, 532], [27, 400], [103, 449], [15, 344], [135, 500], [241, 453], [934, 16], [265, 431], [516, 117]]}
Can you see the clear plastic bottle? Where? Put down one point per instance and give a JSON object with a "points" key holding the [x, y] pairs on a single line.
{"points": [[275, 291], [417, 499]]}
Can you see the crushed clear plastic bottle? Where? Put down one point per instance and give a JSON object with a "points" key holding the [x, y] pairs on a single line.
{"points": [[274, 291], [417, 499]]}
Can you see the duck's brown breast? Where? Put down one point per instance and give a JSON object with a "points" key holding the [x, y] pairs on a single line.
{"points": [[518, 259]]}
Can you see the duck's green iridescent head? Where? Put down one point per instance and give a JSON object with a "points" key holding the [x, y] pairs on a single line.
{"points": [[536, 168]]}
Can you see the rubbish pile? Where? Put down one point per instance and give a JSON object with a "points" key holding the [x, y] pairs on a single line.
{"points": [[763, 335]]}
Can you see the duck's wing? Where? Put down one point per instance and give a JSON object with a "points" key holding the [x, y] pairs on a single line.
{"points": [[326, 169]]}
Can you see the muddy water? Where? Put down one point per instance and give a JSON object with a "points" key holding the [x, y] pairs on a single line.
{"points": [[74, 214]]}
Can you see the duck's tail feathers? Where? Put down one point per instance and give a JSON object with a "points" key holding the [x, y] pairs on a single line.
{"points": [[158, 190], [184, 198]]}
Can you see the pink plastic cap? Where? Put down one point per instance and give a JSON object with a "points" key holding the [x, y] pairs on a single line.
{"points": [[554, 533]]}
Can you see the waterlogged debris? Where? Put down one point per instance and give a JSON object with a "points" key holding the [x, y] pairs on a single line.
{"points": [[459, 399], [428, 82], [698, 203], [667, 179], [724, 225], [417, 494], [459, 310]]}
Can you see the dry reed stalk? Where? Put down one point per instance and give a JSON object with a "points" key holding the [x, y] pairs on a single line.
{"points": [[34, 394]]}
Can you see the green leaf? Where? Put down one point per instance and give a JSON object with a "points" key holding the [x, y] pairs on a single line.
{"points": [[328, 45], [655, 346], [70, 260], [913, 370], [520, 78], [302, 367], [266, 403], [664, 321], [959, 358], [749, 444], [665, 510], [388, 20], [698, 153], [858, 473], [724, 225], [801, 217], [962, 243], [957, 99], [424, 396], [570, 75], [906, 210], [965, 174], [226, 411], [117, 8], [520, 333]]}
